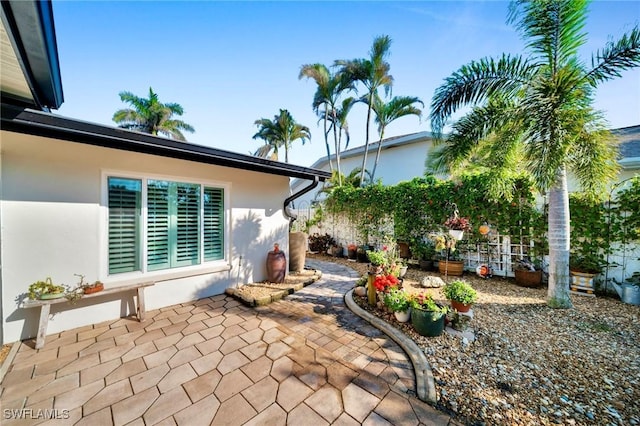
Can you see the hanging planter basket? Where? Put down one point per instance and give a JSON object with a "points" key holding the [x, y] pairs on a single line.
{"points": [[456, 233]]}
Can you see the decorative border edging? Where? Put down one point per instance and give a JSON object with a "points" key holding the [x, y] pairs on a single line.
{"points": [[425, 384], [9, 359], [276, 295]]}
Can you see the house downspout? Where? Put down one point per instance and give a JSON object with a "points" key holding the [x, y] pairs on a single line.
{"points": [[298, 194]]}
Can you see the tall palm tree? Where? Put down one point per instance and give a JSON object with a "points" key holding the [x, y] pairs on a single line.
{"points": [[280, 132], [388, 112], [330, 87], [539, 109], [373, 73], [149, 115]]}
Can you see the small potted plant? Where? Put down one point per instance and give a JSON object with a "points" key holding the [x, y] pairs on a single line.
{"points": [[427, 317], [457, 225], [45, 290], [424, 250], [352, 251], [528, 273], [451, 263], [378, 260], [397, 301], [461, 295], [583, 269]]}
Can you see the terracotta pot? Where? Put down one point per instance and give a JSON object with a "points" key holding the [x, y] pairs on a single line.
{"points": [[451, 267], [93, 289], [459, 306], [276, 266]]}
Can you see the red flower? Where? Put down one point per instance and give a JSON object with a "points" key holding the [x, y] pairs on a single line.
{"points": [[383, 282]]}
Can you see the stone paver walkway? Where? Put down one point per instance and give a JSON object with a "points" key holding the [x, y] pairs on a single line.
{"points": [[305, 360]]}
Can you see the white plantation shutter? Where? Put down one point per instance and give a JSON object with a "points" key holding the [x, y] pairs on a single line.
{"points": [[158, 225], [213, 220], [124, 224], [186, 250]]}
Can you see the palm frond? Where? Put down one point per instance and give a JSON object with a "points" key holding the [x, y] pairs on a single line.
{"points": [[476, 82], [615, 57]]}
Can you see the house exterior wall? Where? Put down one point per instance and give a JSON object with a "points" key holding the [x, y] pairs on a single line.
{"points": [[54, 223]]}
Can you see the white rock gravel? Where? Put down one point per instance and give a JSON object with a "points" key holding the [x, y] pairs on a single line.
{"points": [[533, 365]]}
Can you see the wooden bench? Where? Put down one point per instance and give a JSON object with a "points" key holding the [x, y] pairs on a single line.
{"points": [[45, 306]]}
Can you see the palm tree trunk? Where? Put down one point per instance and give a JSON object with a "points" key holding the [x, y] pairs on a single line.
{"points": [[559, 233], [286, 152], [337, 146], [375, 165], [366, 141], [326, 138]]}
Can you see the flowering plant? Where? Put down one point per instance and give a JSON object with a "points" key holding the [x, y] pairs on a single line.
{"points": [[425, 302], [458, 223], [382, 282], [352, 247], [396, 300]]}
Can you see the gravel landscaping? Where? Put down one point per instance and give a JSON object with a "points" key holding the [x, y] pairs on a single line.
{"points": [[530, 364]]}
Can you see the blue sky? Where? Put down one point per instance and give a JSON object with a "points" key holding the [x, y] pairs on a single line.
{"points": [[231, 63]]}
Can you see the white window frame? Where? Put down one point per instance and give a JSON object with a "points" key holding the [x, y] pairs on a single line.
{"points": [[204, 267]]}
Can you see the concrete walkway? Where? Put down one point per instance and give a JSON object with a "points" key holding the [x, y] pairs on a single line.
{"points": [[305, 360]]}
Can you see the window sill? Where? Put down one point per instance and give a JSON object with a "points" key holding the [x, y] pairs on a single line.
{"points": [[169, 274]]}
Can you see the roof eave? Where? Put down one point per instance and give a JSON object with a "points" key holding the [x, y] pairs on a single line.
{"points": [[38, 123], [31, 30]]}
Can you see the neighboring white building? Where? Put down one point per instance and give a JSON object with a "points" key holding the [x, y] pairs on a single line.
{"points": [[118, 206], [402, 158]]}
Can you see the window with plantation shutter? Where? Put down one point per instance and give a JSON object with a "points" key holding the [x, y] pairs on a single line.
{"points": [[124, 196], [213, 222], [184, 224]]}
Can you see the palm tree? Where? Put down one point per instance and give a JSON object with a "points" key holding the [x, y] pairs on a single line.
{"points": [[373, 73], [149, 115], [387, 112], [280, 132], [539, 109], [330, 87]]}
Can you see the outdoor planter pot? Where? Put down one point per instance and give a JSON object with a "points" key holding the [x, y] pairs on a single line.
{"points": [[427, 323], [582, 282], [451, 267], [528, 278], [460, 307], [403, 316]]}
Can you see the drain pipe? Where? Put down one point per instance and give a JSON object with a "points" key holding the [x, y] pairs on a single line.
{"points": [[298, 194]]}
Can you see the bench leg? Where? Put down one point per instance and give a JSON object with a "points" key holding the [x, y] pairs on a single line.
{"points": [[42, 326], [141, 309]]}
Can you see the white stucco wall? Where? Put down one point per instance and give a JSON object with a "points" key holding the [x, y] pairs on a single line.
{"points": [[54, 222], [397, 163]]}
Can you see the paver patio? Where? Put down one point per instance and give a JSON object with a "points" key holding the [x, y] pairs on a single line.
{"points": [[303, 360]]}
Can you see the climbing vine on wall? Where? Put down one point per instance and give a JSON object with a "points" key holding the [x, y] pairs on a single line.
{"points": [[422, 205]]}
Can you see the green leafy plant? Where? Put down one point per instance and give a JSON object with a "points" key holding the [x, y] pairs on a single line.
{"points": [[425, 302], [460, 291], [588, 264], [42, 288], [377, 257], [397, 300]]}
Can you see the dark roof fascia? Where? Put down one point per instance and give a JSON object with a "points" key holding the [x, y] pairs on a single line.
{"points": [[48, 125], [31, 29]]}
